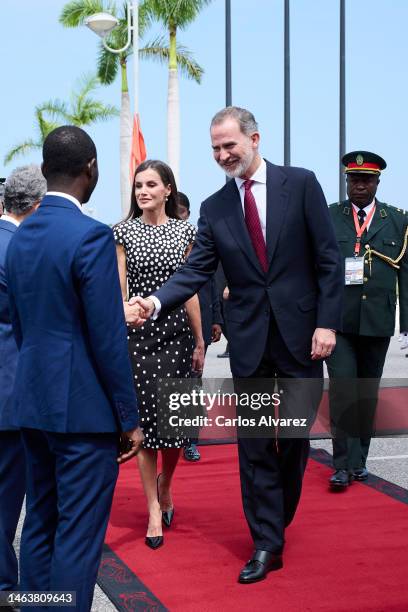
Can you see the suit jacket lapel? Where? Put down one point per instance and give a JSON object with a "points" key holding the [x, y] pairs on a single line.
{"points": [[276, 206], [235, 220]]}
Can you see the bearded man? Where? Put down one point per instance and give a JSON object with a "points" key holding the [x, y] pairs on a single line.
{"points": [[270, 228]]}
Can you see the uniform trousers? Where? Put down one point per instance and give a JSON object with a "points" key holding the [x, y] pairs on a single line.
{"points": [[355, 369]]}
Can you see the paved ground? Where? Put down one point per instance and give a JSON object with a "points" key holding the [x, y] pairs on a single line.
{"points": [[388, 456]]}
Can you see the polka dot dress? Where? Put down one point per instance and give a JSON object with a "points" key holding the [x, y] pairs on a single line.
{"points": [[162, 348]]}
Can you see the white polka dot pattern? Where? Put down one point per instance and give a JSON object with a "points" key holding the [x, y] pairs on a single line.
{"points": [[162, 348]]}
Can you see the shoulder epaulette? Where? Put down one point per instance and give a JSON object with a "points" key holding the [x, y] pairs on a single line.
{"points": [[401, 211]]}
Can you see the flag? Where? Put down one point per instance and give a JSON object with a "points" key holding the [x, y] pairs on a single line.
{"points": [[138, 151]]}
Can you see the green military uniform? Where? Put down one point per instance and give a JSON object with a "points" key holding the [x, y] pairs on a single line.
{"points": [[368, 324]]}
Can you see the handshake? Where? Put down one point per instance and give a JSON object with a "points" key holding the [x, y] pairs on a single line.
{"points": [[138, 310]]}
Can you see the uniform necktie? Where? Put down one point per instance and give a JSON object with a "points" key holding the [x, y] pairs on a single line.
{"points": [[254, 225], [361, 216]]}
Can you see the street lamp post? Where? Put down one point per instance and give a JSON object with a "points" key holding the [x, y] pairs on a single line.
{"points": [[103, 24]]}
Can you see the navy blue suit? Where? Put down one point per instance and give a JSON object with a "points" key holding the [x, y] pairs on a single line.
{"points": [[74, 390], [12, 464], [271, 318]]}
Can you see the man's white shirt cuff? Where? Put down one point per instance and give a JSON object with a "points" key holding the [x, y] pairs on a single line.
{"points": [[157, 306]]}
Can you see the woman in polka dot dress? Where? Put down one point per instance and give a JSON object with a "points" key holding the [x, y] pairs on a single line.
{"points": [[152, 243]]}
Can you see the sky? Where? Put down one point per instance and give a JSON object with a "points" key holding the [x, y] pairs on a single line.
{"points": [[41, 60]]}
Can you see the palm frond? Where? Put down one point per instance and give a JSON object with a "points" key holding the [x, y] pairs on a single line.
{"points": [[22, 149], [108, 64], [159, 51], [75, 12], [178, 13], [145, 19], [44, 126], [56, 109], [93, 111], [87, 83]]}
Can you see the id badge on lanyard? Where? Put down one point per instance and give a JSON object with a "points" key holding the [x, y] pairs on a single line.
{"points": [[354, 271], [354, 266]]}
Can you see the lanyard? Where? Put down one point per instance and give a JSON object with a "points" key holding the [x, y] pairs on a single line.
{"points": [[360, 230]]}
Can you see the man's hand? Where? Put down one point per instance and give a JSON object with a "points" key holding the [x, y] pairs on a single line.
{"points": [[131, 443], [198, 357], [323, 343], [134, 314], [215, 332], [146, 304]]}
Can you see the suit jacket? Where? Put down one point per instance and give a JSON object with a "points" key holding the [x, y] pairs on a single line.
{"points": [[303, 285], [8, 347], [73, 372], [210, 308], [369, 309]]}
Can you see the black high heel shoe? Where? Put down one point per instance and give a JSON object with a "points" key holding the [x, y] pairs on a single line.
{"points": [[154, 542], [167, 515]]}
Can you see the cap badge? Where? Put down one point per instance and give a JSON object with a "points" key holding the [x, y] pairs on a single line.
{"points": [[359, 160]]}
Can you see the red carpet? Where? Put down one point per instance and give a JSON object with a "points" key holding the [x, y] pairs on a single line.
{"points": [[344, 552]]}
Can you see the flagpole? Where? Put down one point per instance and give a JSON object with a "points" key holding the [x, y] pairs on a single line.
{"points": [[342, 101], [135, 42], [286, 112], [228, 58], [228, 77]]}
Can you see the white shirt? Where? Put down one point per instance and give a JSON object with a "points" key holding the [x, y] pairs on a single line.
{"points": [[367, 210], [67, 196], [10, 219], [259, 192]]}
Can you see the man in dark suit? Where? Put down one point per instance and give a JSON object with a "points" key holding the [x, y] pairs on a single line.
{"points": [[74, 391], [373, 238], [271, 230], [25, 188]]}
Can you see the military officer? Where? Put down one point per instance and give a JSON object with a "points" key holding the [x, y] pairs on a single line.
{"points": [[372, 237]]}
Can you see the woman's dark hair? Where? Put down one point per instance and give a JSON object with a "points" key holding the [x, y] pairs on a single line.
{"points": [[167, 177]]}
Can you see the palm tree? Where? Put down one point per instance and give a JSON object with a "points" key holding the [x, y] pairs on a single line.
{"points": [[82, 110], [74, 14], [43, 128], [175, 15]]}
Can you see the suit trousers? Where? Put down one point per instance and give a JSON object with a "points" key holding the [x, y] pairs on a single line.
{"points": [[12, 491], [70, 484], [272, 468], [355, 369]]}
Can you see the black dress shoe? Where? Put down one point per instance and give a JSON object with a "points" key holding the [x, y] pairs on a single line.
{"points": [[154, 542], [167, 515], [257, 568], [340, 479], [360, 474]]}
